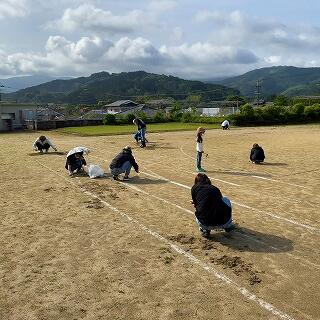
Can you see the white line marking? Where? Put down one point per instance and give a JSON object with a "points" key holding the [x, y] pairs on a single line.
{"points": [[245, 292], [135, 188], [253, 176], [311, 228], [223, 181], [279, 181]]}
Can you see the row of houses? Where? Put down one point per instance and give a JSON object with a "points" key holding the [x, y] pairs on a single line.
{"points": [[124, 107], [20, 115]]}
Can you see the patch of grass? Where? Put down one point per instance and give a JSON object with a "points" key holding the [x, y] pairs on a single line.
{"points": [[106, 130]]}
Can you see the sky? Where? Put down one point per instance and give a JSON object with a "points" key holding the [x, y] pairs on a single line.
{"points": [[191, 39]]}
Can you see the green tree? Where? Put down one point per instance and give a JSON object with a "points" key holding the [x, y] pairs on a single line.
{"points": [[247, 110], [281, 101], [109, 119]]}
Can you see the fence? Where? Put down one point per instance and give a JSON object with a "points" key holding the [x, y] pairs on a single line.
{"points": [[55, 124]]}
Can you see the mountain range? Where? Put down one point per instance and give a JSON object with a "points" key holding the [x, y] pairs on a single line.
{"points": [[104, 86], [18, 83], [280, 80]]}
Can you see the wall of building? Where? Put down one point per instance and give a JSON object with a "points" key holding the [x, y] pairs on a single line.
{"points": [[12, 115]]}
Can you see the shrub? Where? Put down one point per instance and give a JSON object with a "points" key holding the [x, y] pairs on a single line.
{"points": [[312, 112], [247, 110], [159, 116], [109, 119]]}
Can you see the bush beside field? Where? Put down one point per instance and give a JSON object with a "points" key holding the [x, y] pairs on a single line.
{"points": [[129, 129]]}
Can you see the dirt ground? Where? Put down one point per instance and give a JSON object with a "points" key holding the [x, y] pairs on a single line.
{"points": [[80, 248]]}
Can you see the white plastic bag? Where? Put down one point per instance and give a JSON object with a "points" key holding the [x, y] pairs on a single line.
{"points": [[95, 171]]}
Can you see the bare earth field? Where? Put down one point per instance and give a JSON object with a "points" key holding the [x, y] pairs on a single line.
{"points": [[79, 248]]}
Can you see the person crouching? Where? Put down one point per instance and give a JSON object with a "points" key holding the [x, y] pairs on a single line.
{"points": [[123, 163], [257, 154], [75, 163], [213, 211], [43, 144]]}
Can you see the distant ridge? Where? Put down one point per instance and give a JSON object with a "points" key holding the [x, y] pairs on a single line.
{"points": [[126, 85], [286, 80]]}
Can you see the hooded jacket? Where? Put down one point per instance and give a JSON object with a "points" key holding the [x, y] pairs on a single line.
{"points": [[257, 154], [210, 208], [121, 158]]}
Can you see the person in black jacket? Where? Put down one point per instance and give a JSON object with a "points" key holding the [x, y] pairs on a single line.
{"points": [[123, 163], [75, 163], [257, 154], [212, 210], [141, 133]]}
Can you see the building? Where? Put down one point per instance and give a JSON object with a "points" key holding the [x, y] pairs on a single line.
{"points": [[120, 106], [13, 115]]}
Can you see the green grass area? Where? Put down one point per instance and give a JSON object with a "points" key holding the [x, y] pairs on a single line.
{"points": [[106, 130]]}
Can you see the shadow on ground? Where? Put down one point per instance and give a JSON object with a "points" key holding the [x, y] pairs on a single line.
{"points": [[244, 239], [59, 153]]}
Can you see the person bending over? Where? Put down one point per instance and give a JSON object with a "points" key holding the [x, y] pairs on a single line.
{"points": [[225, 125], [123, 163], [43, 144], [213, 211], [257, 154], [75, 163], [141, 133]]}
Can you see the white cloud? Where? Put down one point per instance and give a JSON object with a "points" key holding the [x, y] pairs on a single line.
{"points": [[14, 8], [91, 54], [90, 18]]}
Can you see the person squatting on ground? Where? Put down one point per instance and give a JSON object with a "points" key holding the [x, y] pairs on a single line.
{"points": [[141, 133], [212, 210], [225, 125], [123, 163], [257, 154], [200, 132], [75, 163], [43, 143]]}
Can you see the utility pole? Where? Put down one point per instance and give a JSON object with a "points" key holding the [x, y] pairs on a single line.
{"points": [[258, 91], [1, 86]]}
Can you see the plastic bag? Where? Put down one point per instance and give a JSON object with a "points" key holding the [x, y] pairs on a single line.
{"points": [[95, 171]]}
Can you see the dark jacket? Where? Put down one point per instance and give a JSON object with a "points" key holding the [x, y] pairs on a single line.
{"points": [[257, 154], [75, 163], [123, 157], [140, 124], [210, 209]]}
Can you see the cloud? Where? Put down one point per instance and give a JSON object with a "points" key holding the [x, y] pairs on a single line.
{"points": [[90, 18], [13, 8], [92, 54]]}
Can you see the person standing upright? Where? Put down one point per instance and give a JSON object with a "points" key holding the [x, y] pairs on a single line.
{"points": [[199, 140]]}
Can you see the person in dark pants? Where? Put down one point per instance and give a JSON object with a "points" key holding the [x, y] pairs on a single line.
{"points": [[199, 148], [141, 133], [75, 163], [257, 154], [213, 211], [123, 163], [43, 144]]}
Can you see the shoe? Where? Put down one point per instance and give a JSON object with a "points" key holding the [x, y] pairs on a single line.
{"points": [[115, 177], [231, 228], [205, 233], [126, 178]]}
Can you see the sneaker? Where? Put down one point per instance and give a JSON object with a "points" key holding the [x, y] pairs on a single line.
{"points": [[205, 233], [229, 229], [115, 177], [126, 178]]}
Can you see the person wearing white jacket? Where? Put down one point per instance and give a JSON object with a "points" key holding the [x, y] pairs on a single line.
{"points": [[225, 125], [43, 144]]}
